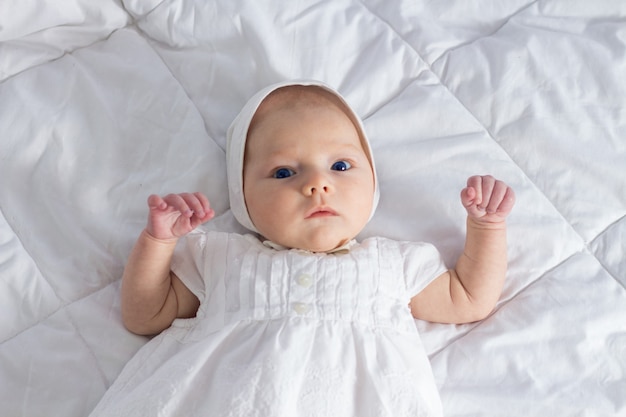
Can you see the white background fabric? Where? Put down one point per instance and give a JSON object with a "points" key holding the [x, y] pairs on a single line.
{"points": [[103, 103]]}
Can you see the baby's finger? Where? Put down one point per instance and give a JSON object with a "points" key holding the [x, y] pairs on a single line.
{"points": [[194, 204], [508, 201], [179, 203], [497, 194], [475, 182], [469, 202], [200, 205], [468, 196], [156, 202], [488, 183], [204, 202]]}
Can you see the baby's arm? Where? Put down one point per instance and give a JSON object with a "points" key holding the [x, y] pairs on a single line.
{"points": [[152, 295], [469, 292]]}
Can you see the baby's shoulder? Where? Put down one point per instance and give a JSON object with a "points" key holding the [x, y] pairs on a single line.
{"points": [[382, 241], [213, 240], [399, 248]]}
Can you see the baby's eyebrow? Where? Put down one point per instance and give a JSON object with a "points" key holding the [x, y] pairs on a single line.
{"points": [[278, 156], [352, 150], [282, 157]]}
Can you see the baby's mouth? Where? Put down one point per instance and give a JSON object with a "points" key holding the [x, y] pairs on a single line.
{"points": [[321, 212]]}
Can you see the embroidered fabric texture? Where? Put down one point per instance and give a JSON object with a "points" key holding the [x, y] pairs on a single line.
{"points": [[288, 333]]}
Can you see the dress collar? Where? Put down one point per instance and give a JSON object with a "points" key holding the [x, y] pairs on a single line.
{"points": [[345, 248]]}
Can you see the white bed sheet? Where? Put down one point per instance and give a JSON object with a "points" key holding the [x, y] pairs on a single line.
{"points": [[102, 104]]}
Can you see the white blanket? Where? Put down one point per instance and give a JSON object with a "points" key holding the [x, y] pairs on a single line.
{"points": [[103, 103]]}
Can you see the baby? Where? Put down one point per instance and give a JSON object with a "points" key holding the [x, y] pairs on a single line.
{"points": [[297, 319]]}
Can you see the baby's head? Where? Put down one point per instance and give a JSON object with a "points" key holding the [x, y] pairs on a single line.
{"points": [[300, 168]]}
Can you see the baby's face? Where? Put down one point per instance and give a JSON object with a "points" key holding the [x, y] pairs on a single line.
{"points": [[308, 183]]}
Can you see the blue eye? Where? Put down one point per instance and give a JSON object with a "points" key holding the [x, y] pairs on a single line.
{"points": [[283, 173], [341, 166]]}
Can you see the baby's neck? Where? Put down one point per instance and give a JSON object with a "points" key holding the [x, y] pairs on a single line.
{"points": [[342, 248]]}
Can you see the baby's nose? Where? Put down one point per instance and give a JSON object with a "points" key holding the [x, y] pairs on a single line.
{"points": [[317, 183]]}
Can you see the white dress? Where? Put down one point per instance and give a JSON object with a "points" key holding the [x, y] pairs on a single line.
{"points": [[288, 333]]}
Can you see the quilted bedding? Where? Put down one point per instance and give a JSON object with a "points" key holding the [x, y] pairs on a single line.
{"points": [[103, 103]]}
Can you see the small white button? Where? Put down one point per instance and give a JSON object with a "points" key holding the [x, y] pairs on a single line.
{"points": [[301, 308], [305, 280]]}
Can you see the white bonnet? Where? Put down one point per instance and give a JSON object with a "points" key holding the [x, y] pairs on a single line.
{"points": [[236, 145]]}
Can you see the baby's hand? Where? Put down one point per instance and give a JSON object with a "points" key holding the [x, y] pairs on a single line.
{"points": [[175, 215], [487, 200]]}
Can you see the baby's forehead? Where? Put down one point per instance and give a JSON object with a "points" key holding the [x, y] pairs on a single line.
{"points": [[298, 97]]}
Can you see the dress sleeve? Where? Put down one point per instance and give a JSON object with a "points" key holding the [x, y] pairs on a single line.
{"points": [[188, 262], [422, 264]]}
